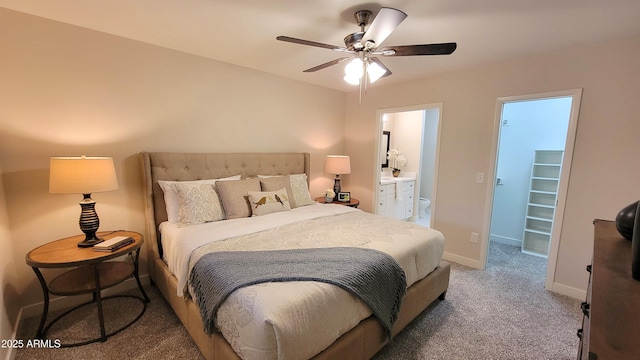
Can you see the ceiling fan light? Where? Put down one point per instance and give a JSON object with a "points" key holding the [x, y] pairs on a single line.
{"points": [[374, 71], [353, 80], [354, 69]]}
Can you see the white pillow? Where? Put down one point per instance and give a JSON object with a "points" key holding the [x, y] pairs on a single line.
{"points": [[267, 202], [198, 203], [299, 188], [171, 196]]}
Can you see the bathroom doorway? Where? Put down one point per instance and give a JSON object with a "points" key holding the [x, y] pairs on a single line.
{"points": [[533, 149], [415, 132]]}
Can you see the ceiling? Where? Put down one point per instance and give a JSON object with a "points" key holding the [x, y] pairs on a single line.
{"points": [[243, 32]]}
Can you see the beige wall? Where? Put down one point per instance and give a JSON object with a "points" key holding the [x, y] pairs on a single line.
{"points": [[605, 169], [72, 91]]}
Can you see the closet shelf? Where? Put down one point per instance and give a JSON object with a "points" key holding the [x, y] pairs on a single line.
{"points": [[543, 194], [542, 206], [534, 191], [539, 218], [541, 232], [544, 178]]}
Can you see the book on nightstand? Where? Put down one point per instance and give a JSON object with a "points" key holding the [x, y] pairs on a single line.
{"points": [[113, 244]]}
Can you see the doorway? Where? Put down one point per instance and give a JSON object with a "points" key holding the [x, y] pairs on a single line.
{"points": [[533, 142], [415, 132]]}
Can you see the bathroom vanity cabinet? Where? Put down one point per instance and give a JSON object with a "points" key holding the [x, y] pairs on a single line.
{"points": [[396, 198]]}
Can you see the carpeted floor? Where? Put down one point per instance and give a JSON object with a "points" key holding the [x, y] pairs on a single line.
{"points": [[500, 313], [158, 334]]}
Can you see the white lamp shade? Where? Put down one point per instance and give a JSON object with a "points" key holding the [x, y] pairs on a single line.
{"points": [[353, 80], [82, 175], [374, 71], [337, 164], [354, 69]]}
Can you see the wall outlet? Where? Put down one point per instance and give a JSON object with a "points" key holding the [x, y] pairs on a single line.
{"points": [[474, 237]]}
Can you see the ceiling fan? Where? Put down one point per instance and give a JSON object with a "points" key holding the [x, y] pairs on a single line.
{"points": [[363, 47]]}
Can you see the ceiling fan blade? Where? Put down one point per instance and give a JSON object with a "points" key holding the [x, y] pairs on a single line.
{"points": [[327, 64], [310, 43], [383, 25], [386, 69], [424, 49]]}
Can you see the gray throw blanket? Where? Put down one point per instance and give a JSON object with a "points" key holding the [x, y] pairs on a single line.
{"points": [[371, 275]]}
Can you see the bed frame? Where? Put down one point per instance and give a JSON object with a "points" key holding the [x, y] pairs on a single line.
{"points": [[361, 342]]}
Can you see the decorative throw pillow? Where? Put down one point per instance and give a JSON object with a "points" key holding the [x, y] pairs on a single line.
{"points": [[234, 196], [277, 183], [198, 203], [267, 202], [300, 189], [171, 196]]}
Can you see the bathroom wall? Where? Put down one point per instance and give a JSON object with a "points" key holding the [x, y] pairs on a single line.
{"points": [[406, 136], [429, 148]]}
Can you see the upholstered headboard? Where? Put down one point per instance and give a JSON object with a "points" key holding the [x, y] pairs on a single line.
{"points": [[198, 166]]}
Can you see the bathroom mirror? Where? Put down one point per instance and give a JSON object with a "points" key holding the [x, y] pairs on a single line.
{"points": [[384, 148]]}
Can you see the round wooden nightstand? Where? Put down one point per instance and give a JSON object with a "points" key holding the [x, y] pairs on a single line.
{"points": [[353, 202], [93, 273]]}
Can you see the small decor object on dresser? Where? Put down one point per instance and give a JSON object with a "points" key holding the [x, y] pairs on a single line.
{"points": [[635, 246], [344, 196], [625, 219]]}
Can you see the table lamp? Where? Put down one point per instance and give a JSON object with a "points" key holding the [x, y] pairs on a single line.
{"points": [[337, 164], [83, 175]]}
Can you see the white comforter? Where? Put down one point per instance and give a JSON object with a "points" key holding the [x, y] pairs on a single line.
{"points": [[296, 320]]}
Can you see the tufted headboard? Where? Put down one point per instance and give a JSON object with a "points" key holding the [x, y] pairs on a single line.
{"points": [[198, 166]]}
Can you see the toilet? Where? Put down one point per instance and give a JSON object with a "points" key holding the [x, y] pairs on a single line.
{"points": [[423, 207]]}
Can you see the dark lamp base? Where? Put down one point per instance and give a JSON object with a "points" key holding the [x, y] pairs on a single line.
{"points": [[89, 222], [336, 187], [90, 240]]}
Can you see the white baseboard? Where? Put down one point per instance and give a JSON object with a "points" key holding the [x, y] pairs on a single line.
{"points": [[66, 302], [556, 287], [462, 260], [505, 240], [569, 291]]}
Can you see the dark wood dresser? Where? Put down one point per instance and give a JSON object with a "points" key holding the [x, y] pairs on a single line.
{"points": [[611, 327]]}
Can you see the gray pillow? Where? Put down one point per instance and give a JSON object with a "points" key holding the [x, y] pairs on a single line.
{"points": [[234, 196], [277, 183]]}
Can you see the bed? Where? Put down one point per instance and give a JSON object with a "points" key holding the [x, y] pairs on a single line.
{"points": [[349, 330]]}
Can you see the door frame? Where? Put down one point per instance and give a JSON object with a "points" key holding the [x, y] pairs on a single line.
{"points": [[576, 95], [377, 172]]}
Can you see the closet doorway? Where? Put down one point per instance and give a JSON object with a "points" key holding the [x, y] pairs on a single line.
{"points": [[533, 144], [415, 132]]}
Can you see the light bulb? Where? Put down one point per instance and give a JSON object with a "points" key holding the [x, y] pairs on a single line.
{"points": [[353, 70], [353, 80]]}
